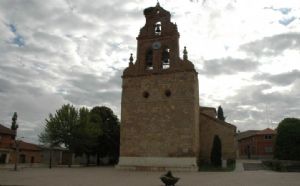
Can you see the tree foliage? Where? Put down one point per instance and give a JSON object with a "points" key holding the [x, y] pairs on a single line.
{"points": [[60, 127], [85, 134], [216, 152], [109, 142], [83, 131], [287, 144], [221, 114], [14, 125]]}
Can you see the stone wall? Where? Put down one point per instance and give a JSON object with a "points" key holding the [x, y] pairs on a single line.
{"points": [[31, 156], [209, 127], [156, 125]]}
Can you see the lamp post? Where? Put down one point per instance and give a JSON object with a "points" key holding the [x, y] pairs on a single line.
{"points": [[50, 156], [17, 143]]}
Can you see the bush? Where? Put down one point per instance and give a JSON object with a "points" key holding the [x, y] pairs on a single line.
{"points": [[287, 145], [282, 165]]}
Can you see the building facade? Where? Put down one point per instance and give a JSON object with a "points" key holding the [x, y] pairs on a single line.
{"points": [[256, 144], [6, 138], [160, 114], [28, 152]]}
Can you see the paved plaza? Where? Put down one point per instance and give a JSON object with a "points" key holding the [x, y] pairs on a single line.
{"points": [[109, 176]]}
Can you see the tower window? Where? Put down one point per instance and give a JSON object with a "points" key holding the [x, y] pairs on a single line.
{"points": [[166, 58], [149, 60], [168, 93], [157, 28], [145, 94]]}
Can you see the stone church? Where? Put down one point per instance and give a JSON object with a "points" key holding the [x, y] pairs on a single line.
{"points": [[162, 125]]}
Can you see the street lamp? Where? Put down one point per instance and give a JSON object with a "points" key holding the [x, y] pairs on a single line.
{"points": [[17, 143]]}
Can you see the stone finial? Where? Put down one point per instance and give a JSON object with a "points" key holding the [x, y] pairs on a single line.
{"points": [[185, 56], [130, 60]]}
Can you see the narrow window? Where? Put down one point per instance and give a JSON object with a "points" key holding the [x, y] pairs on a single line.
{"points": [[149, 60], [157, 28], [168, 93], [166, 58], [145, 94]]}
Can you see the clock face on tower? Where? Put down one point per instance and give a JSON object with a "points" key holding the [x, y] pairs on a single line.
{"points": [[156, 45]]}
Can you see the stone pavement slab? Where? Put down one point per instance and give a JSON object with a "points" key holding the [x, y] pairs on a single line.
{"points": [[109, 176]]}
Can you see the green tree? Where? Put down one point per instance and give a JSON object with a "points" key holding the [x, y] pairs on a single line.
{"points": [[216, 152], [60, 127], [287, 144], [84, 132], [14, 125], [86, 135], [221, 114], [109, 141]]}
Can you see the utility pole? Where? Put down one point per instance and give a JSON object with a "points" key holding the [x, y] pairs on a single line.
{"points": [[50, 157], [17, 143]]}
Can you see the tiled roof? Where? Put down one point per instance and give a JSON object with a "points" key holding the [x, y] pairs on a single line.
{"points": [[208, 108], [53, 148], [266, 131], [246, 134], [27, 146], [5, 130], [224, 123], [250, 133]]}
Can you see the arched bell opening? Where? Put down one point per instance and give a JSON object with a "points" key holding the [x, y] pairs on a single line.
{"points": [[157, 28]]}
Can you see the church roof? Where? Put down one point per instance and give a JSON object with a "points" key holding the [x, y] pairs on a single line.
{"points": [[208, 108], [217, 120]]}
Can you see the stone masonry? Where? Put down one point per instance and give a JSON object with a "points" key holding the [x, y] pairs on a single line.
{"points": [[160, 112]]}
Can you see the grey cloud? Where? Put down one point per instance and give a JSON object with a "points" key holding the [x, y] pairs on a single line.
{"points": [[108, 10], [252, 108], [91, 89], [32, 104], [274, 45], [227, 66], [282, 79]]}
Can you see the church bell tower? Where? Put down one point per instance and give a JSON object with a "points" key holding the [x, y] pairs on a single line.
{"points": [[160, 100]]}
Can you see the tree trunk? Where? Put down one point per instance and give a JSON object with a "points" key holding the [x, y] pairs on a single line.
{"points": [[98, 159], [87, 159]]}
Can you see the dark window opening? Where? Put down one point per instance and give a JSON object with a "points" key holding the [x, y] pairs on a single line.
{"points": [[168, 93], [268, 137], [149, 60], [158, 28], [2, 158], [145, 94], [165, 58], [22, 158]]}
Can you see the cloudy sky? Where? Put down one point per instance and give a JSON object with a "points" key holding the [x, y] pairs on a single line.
{"points": [[74, 51]]}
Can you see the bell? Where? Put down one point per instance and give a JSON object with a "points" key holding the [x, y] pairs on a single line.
{"points": [[157, 30]]}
